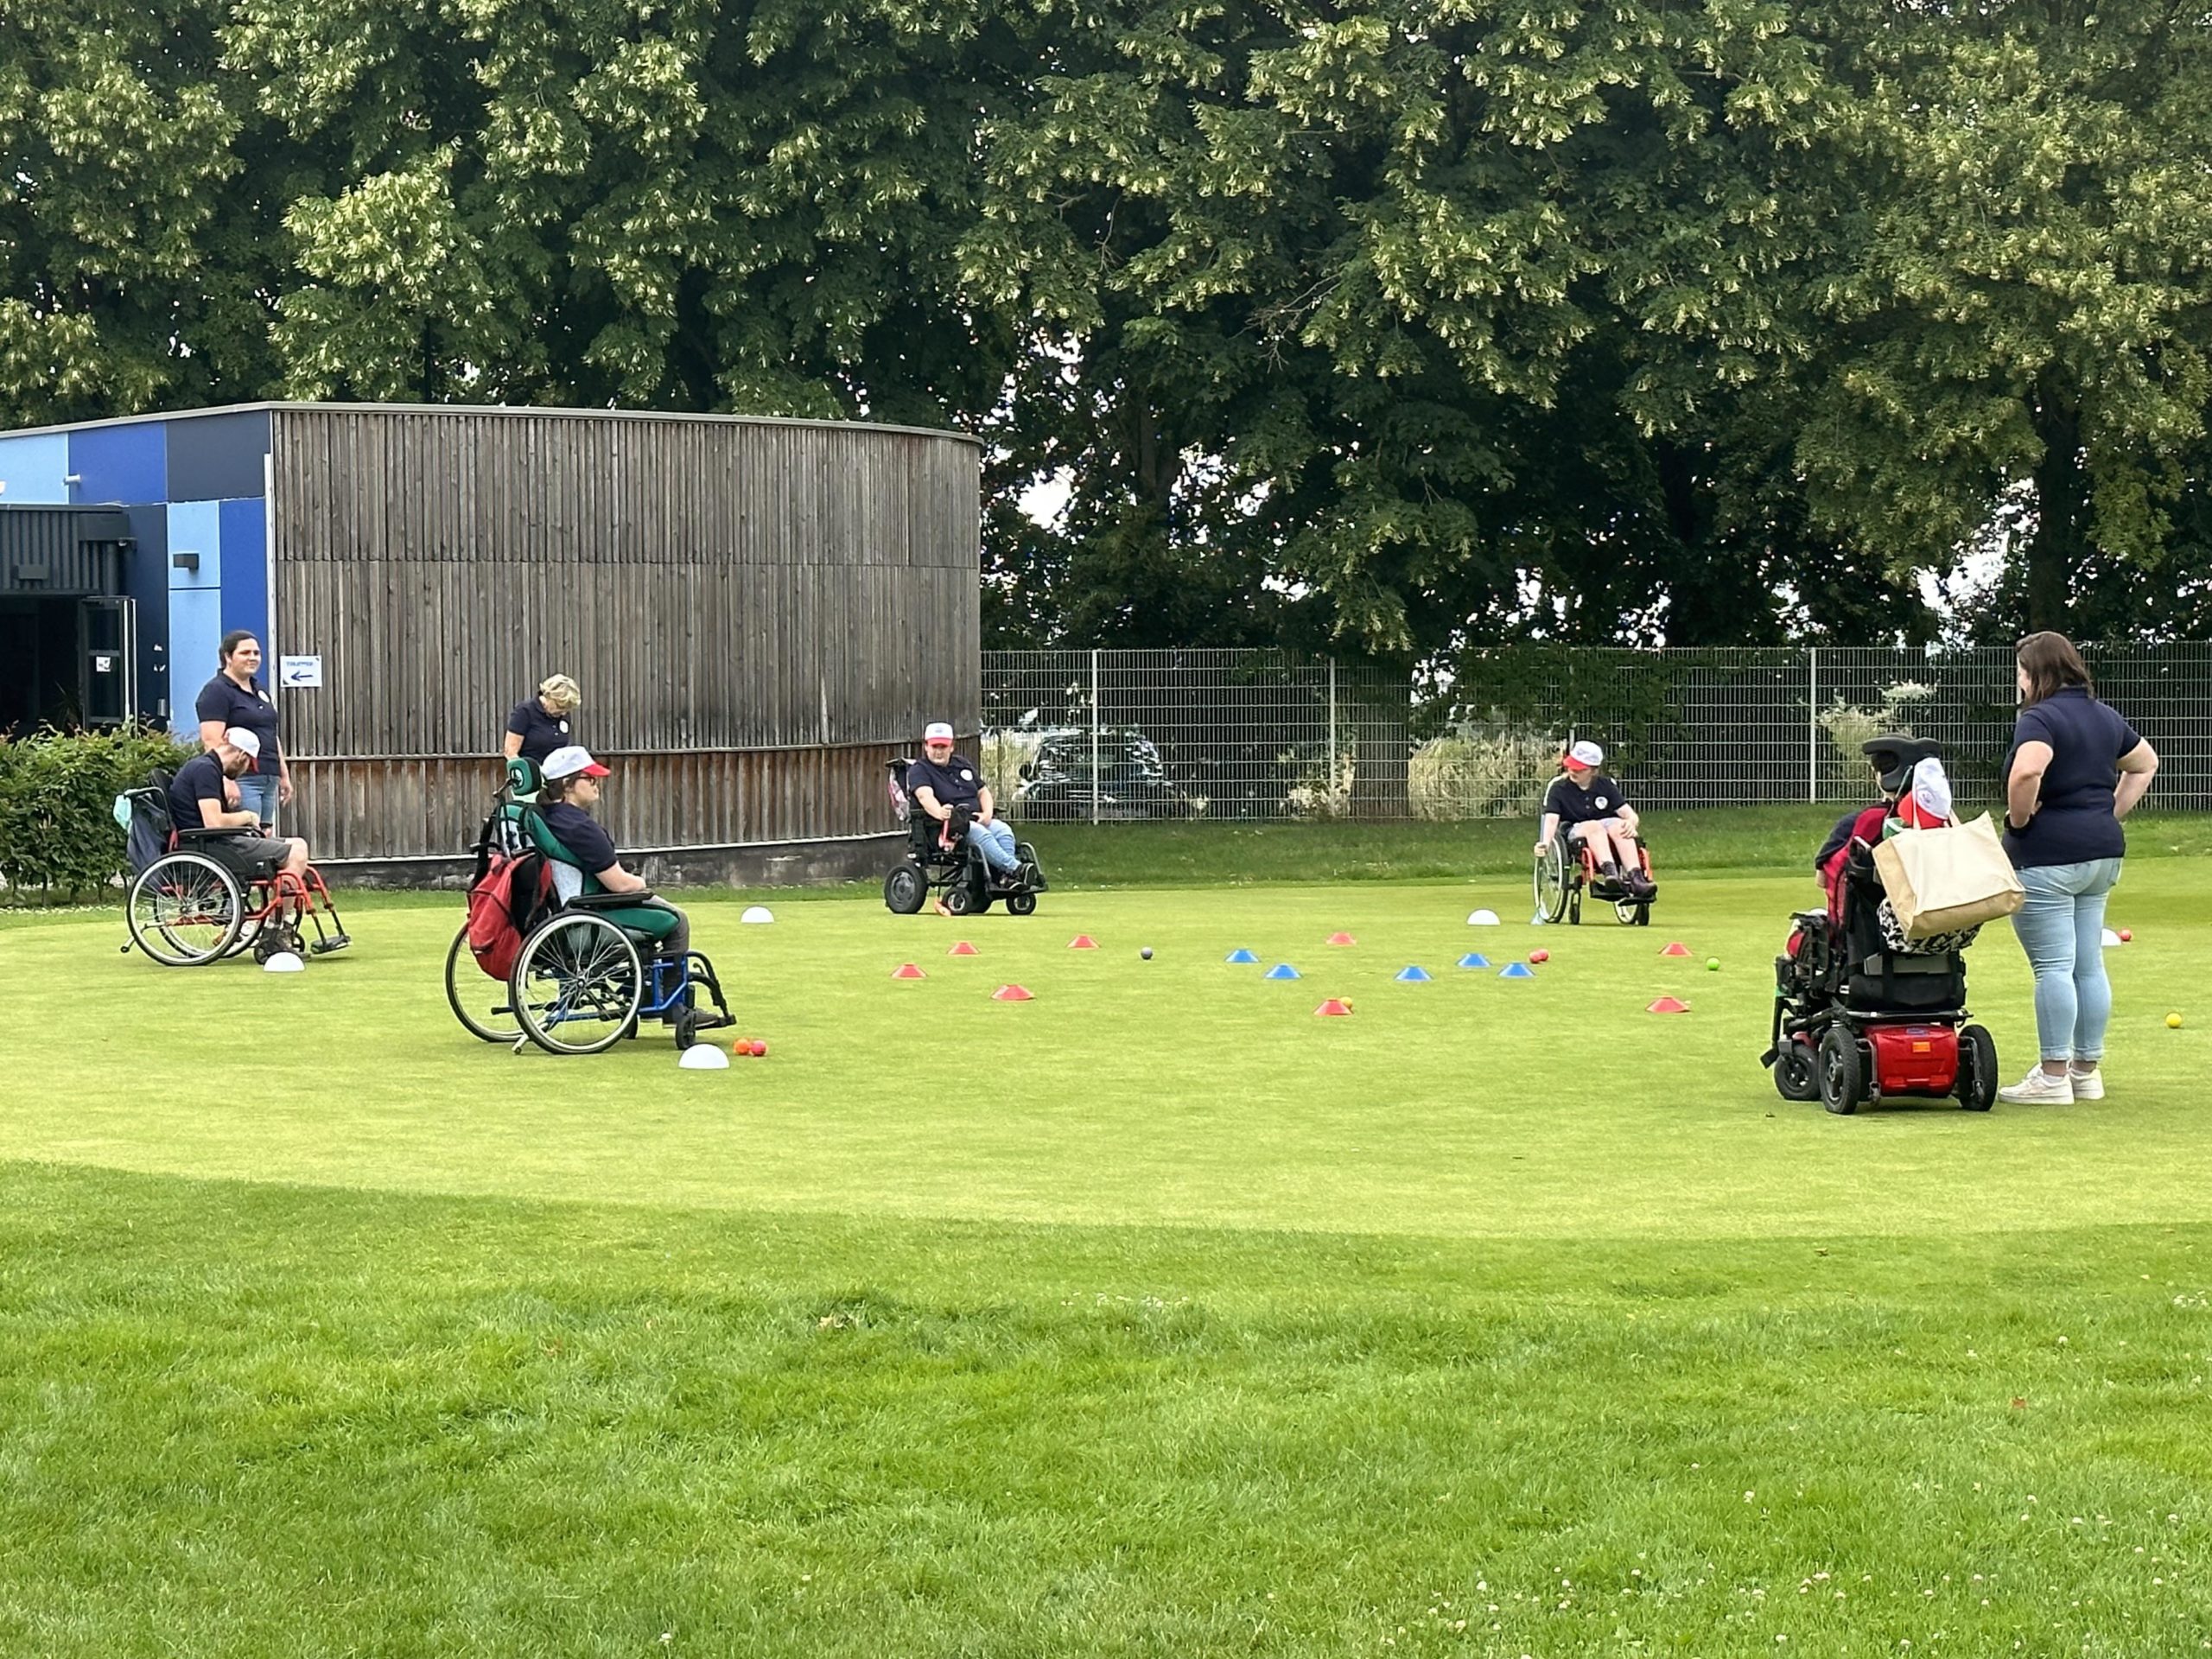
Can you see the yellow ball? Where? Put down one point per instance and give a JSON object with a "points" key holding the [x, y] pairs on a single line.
{"points": [[2174, 1020]]}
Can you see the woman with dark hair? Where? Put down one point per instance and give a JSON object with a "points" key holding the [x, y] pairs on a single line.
{"points": [[2076, 769], [235, 698]]}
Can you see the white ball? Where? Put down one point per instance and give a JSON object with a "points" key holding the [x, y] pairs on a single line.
{"points": [[757, 913], [703, 1056], [283, 962], [1482, 918]]}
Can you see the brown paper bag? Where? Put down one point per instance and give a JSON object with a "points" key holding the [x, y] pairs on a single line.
{"points": [[1942, 881]]}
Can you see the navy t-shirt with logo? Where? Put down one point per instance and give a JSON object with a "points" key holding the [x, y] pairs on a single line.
{"points": [[578, 831], [201, 775], [2073, 824], [957, 783], [541, 733], [1577, 804], [222, 699]]}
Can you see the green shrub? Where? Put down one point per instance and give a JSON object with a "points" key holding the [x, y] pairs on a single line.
{"points": [[58, 835], [1491, 769]]}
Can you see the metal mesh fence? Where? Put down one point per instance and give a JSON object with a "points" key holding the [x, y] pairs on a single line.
{"points": [[1084, 735], [1109, 734]]}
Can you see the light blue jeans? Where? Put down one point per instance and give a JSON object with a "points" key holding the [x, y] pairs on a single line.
{"points": [[996, 839], [2061, 924], [258, 795]]}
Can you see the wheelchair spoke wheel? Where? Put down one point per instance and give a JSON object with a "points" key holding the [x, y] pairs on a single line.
{"points": [[477, 1000], [185, 910], [1548, 881], [577, 984]]}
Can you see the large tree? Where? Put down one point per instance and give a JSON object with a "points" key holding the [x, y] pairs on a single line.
{"points": [[2018, 301]]}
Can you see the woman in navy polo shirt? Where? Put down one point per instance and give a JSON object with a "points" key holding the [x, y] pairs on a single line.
{"points": [[2076, 769], [236, 697], [539, 725]]}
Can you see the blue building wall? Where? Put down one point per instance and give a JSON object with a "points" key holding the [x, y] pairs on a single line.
{"points": [[191, 484]]}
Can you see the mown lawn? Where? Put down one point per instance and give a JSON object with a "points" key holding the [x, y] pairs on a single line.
{"points": [[1153, 1315]]}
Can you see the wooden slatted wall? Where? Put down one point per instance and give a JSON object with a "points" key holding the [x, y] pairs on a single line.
{"points": [[759, 613]]}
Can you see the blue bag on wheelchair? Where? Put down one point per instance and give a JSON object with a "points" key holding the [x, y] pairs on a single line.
{"points": [[144, 814]]}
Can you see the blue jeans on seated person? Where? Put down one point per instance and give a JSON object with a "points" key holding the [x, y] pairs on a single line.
{"points": [[2061, 923], [258, 795], [996, 839]]}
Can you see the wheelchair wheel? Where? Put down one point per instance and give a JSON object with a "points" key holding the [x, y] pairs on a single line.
{"points": [[1020, 904], [186, 910], [1548, 882], [577, 984], [1632, 912], [904, 890], [1796, 1071], [1843, 1071], [960, 899], [477, 1001], [1977, 1084]]}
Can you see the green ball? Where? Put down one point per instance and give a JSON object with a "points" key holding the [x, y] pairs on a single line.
{"points": [[1712, 964]]}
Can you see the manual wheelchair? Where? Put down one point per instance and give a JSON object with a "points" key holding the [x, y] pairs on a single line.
{"points": [[187, 908], [1562, 873], [588, 970], [957, 872], [1861, 1013]]}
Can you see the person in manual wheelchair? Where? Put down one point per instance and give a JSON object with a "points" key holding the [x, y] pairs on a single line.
{"points": [[200, 794], [610, 953], [1602, 849], [960, 842]]}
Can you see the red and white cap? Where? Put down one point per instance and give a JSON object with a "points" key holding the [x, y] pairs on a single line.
{"points": [[244, 741], [937, 731], [1584, 753], [573, 761]]}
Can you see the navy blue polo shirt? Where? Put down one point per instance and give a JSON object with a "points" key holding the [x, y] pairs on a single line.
{"points": [[2073, 824], [1575, 803], [541, 733], [578, 831], [221, 699], [201, 775], [957, 783]]}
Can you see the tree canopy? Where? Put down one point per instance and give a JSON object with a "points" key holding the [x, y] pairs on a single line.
{"points": [[1392, 327]]}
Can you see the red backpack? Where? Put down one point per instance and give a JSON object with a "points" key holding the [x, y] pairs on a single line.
{"points": [[504, 903]]}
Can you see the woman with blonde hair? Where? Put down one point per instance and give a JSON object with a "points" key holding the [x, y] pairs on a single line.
{"points": [[2076, 769], [539, 725]]}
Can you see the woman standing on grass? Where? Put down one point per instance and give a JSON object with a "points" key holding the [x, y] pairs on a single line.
{"points": [[2076, 769], [235, 698]]}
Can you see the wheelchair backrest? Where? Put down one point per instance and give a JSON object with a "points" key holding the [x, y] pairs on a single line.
{"points": [[147, 837], [570, 879], [902, 804], [522, 780]]}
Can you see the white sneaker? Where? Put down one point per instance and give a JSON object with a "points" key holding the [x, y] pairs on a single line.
{"points": [[2088, 1085], [2039, 1088]]}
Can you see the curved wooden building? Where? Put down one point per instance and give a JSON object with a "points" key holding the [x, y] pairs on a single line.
{"points": [[760, 614]]}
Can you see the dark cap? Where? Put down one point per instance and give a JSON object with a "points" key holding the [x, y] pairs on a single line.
{"points": [[1896, 753]]}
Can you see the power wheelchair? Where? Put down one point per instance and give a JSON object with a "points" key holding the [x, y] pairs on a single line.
{"points": [[1861, 1013], [947, 865], [188, 908]]}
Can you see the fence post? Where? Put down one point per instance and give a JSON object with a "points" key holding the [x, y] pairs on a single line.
{"points": [[1812, 723], [1097, 783], [1330, 776]]}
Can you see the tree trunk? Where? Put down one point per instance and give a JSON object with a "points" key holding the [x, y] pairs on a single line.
{"points": [[2061, 537]]}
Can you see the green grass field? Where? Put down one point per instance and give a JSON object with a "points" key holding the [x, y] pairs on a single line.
{"points": [[1154, 1315]]}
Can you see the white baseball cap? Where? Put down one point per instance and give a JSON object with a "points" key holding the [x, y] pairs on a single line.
{"points": [[567, 763], [1584, 753], [936, 731], [244, 742]]}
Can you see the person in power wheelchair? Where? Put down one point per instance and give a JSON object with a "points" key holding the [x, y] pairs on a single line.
{"points": [[1861, 1011], [208, 884], [609, 953], [957, 842], [1604, 848]]}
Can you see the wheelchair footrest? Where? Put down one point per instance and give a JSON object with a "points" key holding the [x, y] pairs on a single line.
{"points": [[324, 947]]}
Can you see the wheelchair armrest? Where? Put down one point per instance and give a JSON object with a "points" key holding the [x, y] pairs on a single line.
{"points": [[608, 900], [219, 830]]}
